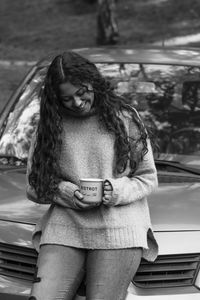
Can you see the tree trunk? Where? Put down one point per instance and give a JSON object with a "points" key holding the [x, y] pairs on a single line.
{"points": [[107, 28]]}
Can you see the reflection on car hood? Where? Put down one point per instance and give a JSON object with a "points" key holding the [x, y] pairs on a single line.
{"points": [[176, 206], [173, 206], [14, 205], [188, 160]]}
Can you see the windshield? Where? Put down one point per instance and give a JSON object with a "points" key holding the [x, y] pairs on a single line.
{"points": [[167, 97]]}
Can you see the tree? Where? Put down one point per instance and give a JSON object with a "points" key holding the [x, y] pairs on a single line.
{"points": [[107, 28]]}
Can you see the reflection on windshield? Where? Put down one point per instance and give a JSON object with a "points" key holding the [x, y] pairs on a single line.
{"points": [[22, 121], [167, 97], [16, 140]]}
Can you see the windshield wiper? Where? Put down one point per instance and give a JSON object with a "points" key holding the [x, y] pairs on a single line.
{"points": [[177, 165]]}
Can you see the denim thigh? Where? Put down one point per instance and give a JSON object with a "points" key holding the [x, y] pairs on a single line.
{"points": [[60, 272], [61, 269], [109, 272]]}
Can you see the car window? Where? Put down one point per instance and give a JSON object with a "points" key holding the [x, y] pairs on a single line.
{"points": [[166, 96]]}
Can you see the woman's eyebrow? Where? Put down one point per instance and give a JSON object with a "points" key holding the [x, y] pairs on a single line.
{"points": [[68, 96], [82, 87]]}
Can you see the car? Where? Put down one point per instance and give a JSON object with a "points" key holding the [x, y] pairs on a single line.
{"points": [[163, 84]]}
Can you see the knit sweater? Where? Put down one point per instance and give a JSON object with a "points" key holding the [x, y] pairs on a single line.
{"points": [[88, 152]]}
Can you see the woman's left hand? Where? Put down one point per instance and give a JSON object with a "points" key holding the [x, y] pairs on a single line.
{"points": [[107, 193]]}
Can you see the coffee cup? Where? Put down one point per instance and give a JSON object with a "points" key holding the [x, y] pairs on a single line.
{"points": [[92, 189]]}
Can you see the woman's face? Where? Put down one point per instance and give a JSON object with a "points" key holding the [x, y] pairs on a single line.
{"points": [[78, 99]]}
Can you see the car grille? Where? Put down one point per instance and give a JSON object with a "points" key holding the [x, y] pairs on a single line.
{"points": [[168, 271], [17, 261]]}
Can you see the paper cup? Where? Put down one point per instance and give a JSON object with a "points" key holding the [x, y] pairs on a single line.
{"points": [[92, 189]]}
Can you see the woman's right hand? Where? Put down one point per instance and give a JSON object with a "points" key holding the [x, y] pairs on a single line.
{"points": [[81, 203], [69, 196], [65, 195]]}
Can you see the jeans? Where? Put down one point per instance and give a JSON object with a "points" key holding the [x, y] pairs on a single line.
{"points": [[61, 270]]}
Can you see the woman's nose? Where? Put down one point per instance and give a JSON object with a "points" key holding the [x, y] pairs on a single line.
{"points": [[77, 101]]}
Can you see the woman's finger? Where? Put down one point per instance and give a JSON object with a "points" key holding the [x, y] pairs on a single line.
{"points": [[106, 201], [78, 195], [84, 205], [107, 188], [107, 197], [89, 203], [108, 193], [80, 204]]}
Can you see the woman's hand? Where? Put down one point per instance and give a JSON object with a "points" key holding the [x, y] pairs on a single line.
{"points": [[69, 196], [65, 196], [107, 193], [81, 203]]}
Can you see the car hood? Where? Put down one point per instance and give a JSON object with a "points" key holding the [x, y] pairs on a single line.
{"points": [[173, 206], [14, 205]]}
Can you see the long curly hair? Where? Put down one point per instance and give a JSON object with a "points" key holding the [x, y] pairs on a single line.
{"points": [[71, 67]]}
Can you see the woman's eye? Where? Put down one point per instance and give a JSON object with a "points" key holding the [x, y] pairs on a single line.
{"points": [[82, 91], [66, 99]]}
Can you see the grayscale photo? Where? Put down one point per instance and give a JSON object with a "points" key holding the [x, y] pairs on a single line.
{"points": [[100, 150]]}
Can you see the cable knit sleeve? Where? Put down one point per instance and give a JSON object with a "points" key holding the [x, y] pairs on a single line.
{"points": [[143, 182], [66, 189]]}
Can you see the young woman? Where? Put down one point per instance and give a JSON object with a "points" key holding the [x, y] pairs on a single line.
{"points": [[87, 131]]}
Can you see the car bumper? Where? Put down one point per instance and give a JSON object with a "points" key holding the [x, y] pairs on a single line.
{"points": [[130, 296], [165, 297], [14, 289], [176, 293]]}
